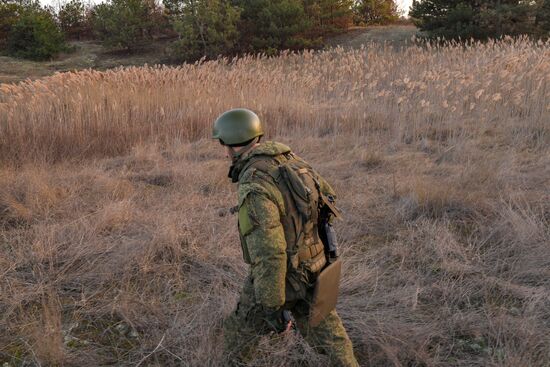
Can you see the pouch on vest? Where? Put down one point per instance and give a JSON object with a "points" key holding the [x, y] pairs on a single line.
{"points": [[300, 192], [325, 294], [296, 286]]}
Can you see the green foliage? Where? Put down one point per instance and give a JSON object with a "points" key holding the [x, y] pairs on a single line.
{"points": [[125, 23], [543, 18], [507, 19], [271, 25], [72, 19], [205, 28], [376, 11], [34, 34], [475, 19], [329, 16], [220, 27], [10, 11]]}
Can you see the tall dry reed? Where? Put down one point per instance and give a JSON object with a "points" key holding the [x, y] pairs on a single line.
{"points": [[438, 91]]}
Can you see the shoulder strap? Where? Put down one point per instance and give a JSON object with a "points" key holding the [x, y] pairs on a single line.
{"points": [[267, 164]]}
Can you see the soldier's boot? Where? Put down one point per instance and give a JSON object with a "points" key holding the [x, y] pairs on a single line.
{"points": [[329, 337]]}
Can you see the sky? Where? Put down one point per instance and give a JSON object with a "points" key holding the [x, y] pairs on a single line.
{"points": [[404, 4]]}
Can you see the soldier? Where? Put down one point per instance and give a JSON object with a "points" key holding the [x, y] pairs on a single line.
{"points": [[280, 243]]}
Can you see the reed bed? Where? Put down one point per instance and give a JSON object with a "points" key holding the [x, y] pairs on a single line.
{"points": [[447, 90]]}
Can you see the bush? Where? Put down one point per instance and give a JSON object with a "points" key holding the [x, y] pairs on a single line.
{"points": [[35, 35]]}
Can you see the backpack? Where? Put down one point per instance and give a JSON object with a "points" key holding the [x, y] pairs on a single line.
{"points": [[303, 200]]}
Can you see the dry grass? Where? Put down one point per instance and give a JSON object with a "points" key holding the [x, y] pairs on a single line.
{"points": [[116, 246]]}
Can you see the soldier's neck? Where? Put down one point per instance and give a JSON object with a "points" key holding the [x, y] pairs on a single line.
{"points": [[238, 153]]}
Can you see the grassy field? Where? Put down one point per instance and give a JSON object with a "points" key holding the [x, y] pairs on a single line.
{"points": [[117, 247]]}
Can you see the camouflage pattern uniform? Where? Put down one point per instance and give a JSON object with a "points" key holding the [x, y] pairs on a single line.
{"points": [[269, 286]]}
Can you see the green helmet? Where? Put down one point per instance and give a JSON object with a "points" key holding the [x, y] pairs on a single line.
{"points": [[236, 127]]}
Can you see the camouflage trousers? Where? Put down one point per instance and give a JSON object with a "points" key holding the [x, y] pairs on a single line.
{"points": [[245, 326]]}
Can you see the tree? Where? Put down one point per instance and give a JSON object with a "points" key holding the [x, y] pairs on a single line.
{"points": [[10, 11], [543, 18], [447, 19], [35, 35], [271, 25], [29, 31], [72, 19], [205, 27], [478, 19], [124, 23], [329, 16], [507, 18], [376, 11]]}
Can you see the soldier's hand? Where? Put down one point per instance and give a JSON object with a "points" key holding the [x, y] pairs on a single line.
{"points": [[289, 321]]}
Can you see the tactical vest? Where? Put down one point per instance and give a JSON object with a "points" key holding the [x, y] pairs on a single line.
{"points": [[301, 193]]}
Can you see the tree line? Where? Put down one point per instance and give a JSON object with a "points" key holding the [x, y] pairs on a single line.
{"points": [[209, 28], [482, 19], [199, 28]]}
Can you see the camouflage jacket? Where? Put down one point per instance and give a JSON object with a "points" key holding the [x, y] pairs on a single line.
{"points": [[261, 207]]}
